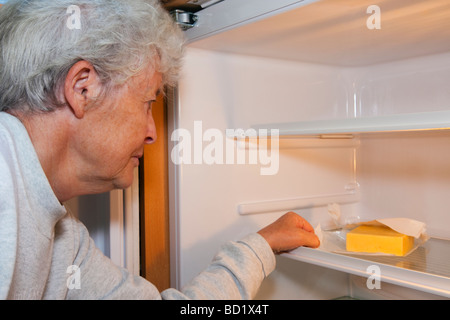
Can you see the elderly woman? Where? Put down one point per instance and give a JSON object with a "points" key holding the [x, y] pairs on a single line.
{"points": [[77, 81]]}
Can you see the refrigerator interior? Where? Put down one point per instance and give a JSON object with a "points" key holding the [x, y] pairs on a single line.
{"points": [[363, 116]]}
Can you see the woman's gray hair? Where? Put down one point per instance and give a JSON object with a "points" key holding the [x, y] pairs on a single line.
{"points": [[39, 43]]}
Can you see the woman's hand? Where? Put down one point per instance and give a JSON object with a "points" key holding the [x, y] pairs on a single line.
{"points": [[289, 232]]}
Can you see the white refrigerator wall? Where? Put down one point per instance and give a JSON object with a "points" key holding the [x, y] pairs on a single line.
{"points": [[409, 176], [370, 176], [230, 92]]}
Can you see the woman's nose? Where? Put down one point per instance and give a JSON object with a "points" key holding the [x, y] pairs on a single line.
{"points": [[151, 131]]}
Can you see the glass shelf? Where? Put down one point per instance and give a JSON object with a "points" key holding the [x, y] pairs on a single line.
{"points": [[426, 269], [399, 122]]}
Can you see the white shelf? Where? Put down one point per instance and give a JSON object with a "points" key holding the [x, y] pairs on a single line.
{"points": [[426, 269], [398, 122], [299, 203]]}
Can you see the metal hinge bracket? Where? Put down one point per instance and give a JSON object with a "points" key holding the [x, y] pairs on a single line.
{"points": [[184, 19]]}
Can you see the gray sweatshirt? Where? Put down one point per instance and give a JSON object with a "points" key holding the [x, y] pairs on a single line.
{"points": [[45, 253]]}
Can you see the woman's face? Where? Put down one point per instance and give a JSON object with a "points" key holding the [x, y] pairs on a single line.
{"points": [[114, 133]]}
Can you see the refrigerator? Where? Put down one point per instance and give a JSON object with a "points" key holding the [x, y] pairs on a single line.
{"points": [[334, 104], [337, 110]]}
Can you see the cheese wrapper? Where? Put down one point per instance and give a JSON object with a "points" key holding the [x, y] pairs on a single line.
{"points": [[413, 231], [406, 226]]}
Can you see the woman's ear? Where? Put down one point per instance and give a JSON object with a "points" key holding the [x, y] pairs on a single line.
{"points": [[82, 84]]}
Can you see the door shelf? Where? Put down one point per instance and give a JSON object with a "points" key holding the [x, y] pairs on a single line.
{"points": [[426, 269], [398, 122]]}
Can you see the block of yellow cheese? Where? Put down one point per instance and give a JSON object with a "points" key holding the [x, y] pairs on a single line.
{"points": [[378, 239]]}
